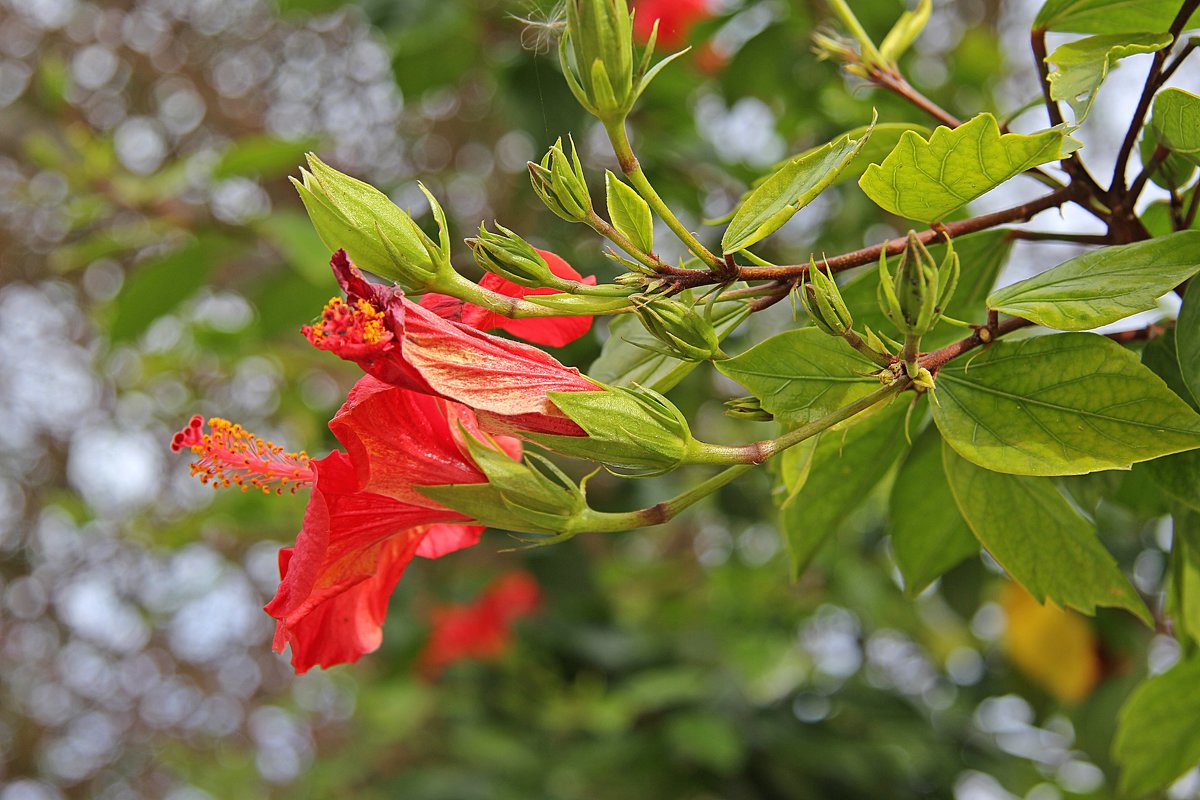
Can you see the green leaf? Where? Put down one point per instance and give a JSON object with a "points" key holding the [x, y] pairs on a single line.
{"points": [[1183, 593], [1060, 405], [884, 138], [906, 29], [802, 375], [1176, 122], [1083, 65], [1187, 340], [159, 285], [262, 157], [1039, 538], [630, 214], [981, 254], [1108, 16], [1177, 476], [1158, 730], [929, 536], [632, 356], [845, 467], [926, 180], [1104, 285], [791, 188]]}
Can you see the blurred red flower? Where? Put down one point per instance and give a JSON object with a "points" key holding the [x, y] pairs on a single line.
{"points": [[482, 629], [675, 20]]}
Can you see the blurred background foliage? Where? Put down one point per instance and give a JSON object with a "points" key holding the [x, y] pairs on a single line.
{"points": [[155, 262]]}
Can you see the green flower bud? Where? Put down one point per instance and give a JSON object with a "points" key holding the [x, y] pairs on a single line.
{"points": [[596, 53], [823, 302], [914, 300], [559, 182], [747, 408], [686, 334], [379, 237], [633, 430], [509, 256]]}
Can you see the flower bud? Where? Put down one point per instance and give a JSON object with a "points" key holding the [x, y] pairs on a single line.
{"points": [[378, 236], [823, 302], [599, 69], [686, 334], [915, 298], [508, 255], [559, 182], [634, 430]]}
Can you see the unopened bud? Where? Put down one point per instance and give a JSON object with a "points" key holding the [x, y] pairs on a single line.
{"points": [[914, 299], [596, 53], [508, 255], [686, 334], [559, 181], [823, 302], [377, 235]]}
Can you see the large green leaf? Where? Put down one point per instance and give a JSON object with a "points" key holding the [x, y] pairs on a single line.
{"points": [[982, 255], [1187, 340], [926, 180], [1039, 538], [1083, 65], [1060, 405], [1108, 16], [1176, 122], [632, 356], [845, 467], [801, 375], [1104, 285], [929, 536], [791, 188], [1158, 731]]}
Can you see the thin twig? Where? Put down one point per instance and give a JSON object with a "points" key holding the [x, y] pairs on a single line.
{"points": [[983, 335], [1050, 236], [1153, 82]]}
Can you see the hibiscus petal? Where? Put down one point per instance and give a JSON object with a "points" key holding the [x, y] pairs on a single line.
{"points": [[349, 537], [442, 540]]}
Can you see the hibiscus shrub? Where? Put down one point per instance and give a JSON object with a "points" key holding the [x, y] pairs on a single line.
{"points": [[979, 404]]}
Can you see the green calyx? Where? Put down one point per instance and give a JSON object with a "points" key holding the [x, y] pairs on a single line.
{"points": [[559, 181], [633, 431], [683, 332], [914, 299], [822, 301], [599, 37], [509, 256], [377, 235]]}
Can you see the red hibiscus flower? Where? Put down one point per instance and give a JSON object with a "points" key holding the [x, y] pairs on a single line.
{"points": [[365, 521], [549, 331], [482, 629], [675, 20], [400, 343]]}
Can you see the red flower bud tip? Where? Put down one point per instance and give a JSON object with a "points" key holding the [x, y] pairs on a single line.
{"points": [[232, 456], [344, 325]]}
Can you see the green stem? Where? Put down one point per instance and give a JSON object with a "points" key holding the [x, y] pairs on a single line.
{"points": [[758, 452], [857, 342], [605, 229], [633, 171], [912, 351], [587, 305], [612, 522]]}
